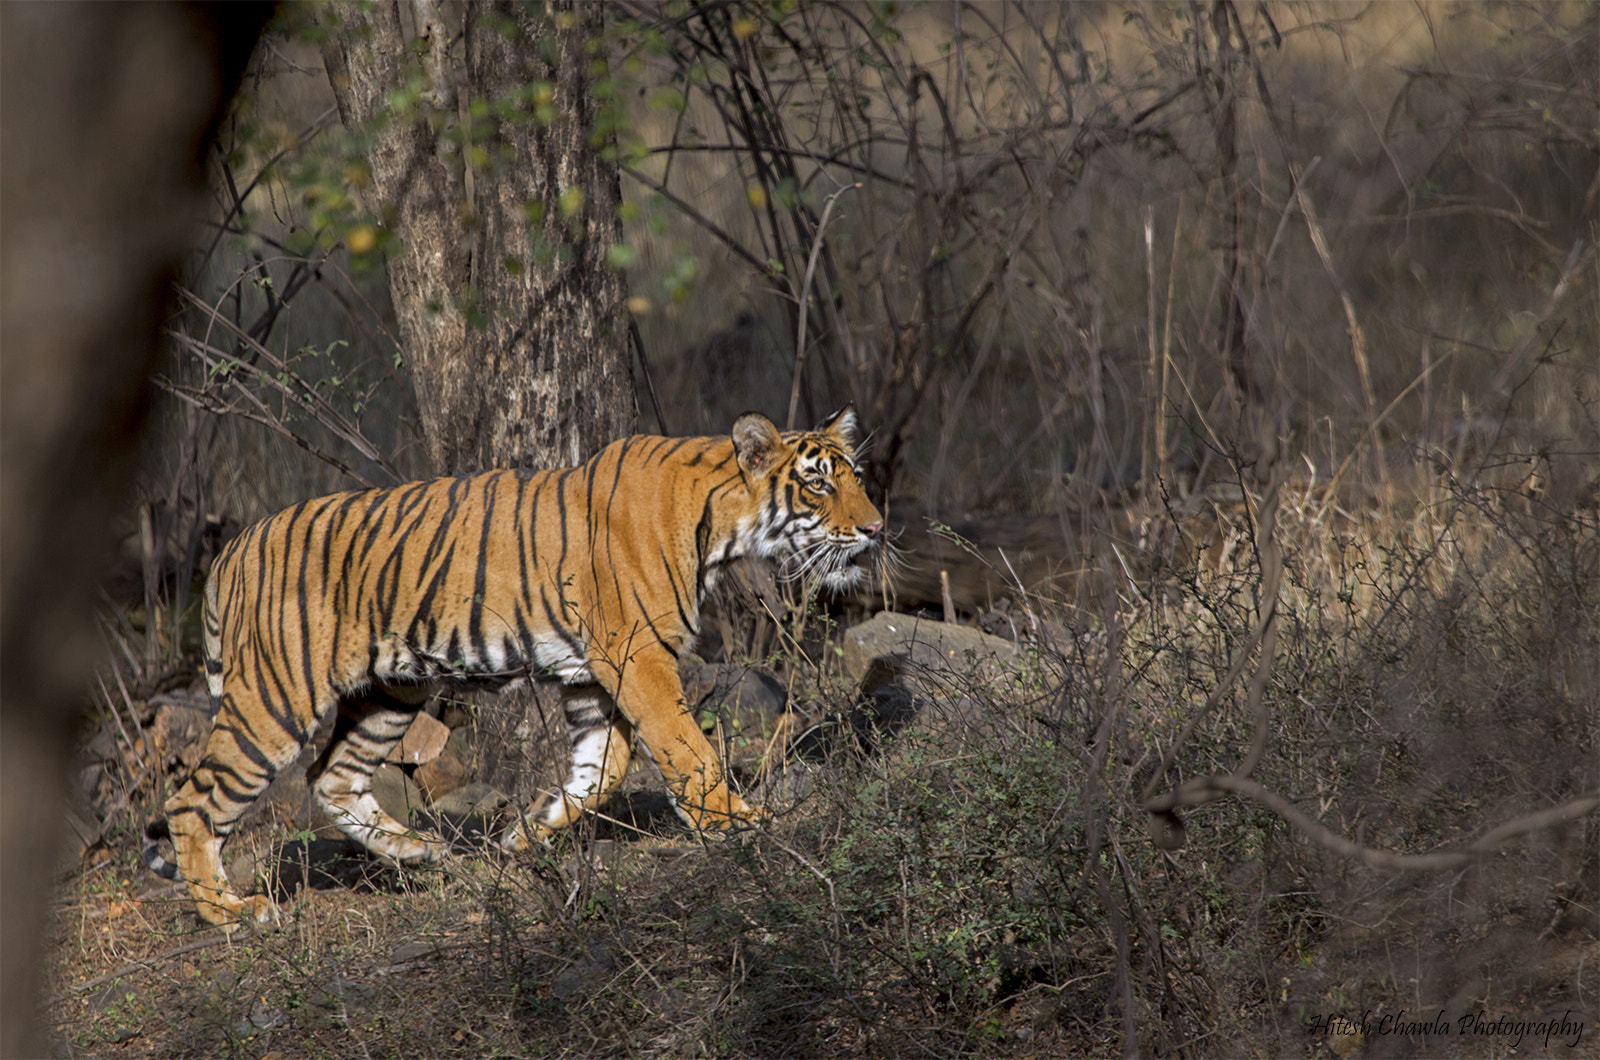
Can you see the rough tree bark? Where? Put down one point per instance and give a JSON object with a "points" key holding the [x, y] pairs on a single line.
{"points": [[512, 321]]}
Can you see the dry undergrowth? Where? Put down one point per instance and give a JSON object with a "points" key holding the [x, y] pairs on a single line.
{"points": [[984, 884]]}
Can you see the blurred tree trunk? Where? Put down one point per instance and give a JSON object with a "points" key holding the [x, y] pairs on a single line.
{"points": [[504, 211], [107, 111]]}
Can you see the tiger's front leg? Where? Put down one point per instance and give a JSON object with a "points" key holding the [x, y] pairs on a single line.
{"points": [[650, 694]]}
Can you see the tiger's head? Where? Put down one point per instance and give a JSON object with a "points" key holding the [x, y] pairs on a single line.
{"points": [[811, 514]]}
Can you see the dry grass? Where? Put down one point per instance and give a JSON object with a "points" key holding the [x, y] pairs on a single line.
{"points": [[985, 884]]}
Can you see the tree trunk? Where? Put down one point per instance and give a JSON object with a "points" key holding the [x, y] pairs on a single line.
{"points": [[107, 111], [504, 211]]}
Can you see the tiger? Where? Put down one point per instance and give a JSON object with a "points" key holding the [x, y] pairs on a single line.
{"points": [[371, 601]]}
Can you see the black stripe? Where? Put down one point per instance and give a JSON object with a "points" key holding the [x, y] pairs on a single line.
{"points": [[279, 708], [444, 528], [651, 623], [480, 581], [307, 667], [525, 636], [560, 487], [559, 628], [689, 622], [425, 611], [702, 546], [525, 539], [591, 470]]}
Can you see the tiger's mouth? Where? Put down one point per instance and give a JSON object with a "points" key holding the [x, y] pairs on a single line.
{"points": [[839, 566]]}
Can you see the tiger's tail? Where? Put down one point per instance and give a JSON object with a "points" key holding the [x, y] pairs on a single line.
{"points": [[154, 833]]}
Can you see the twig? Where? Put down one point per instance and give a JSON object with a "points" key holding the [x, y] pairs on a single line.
{"points": [[700, 219], [1263, 636], [1358, 337], [810, 866], [129, 969], [1200, 790], [1328, 490], [805, 303], [1512, 364]]}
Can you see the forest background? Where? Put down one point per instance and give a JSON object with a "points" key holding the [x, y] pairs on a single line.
{"points": [[1237, 362]]}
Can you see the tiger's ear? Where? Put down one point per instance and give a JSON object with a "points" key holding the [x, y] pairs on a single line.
{"points": [[756, 444], [842, 425]]}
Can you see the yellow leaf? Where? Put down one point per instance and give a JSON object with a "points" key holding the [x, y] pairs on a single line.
{"points": [[362, 239]]}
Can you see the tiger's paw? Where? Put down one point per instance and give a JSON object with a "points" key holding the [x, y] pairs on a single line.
{"points": [[524, 834], [737, 818], [231, 912], [419, 851]]}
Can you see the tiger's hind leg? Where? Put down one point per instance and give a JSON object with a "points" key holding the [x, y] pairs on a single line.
{"points": [[369, 725], [242, 756], [602, 747]]}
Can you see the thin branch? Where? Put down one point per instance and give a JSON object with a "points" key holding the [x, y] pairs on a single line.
{"points": [[1199, 790], [805, 302]]}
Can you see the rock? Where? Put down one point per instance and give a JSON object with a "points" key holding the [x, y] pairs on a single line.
{"points": [[180, 730], [941, 659], [587, 976], [913, 671], [787, 787], [115, 994], [410, 951], [326, 864], [472, 800], [397, 793], [746, 701], [262, 1017], [460, 744], [340, 993], [84, 831], [423, 742], [289, 799], [443, 775]]}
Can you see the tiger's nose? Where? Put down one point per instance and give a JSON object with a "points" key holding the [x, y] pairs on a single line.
{"points": [[871, 530]]}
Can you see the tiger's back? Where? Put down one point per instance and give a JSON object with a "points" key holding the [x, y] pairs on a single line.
{"points": [[592, 576]]}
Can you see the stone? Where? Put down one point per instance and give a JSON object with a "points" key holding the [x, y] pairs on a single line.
{"points": [[326, 864], [84, 831], [744, 699], [940, 658], [443, 775], [789, 786], [472, 800], [587, 976], [423, 742], [455, 714], [397, 793], [180, 730]]}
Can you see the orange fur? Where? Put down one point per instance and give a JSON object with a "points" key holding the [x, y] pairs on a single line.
{"points": [[369, 601]]}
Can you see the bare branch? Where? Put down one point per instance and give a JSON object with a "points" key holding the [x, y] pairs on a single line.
{"points": [[1200, 790]]}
